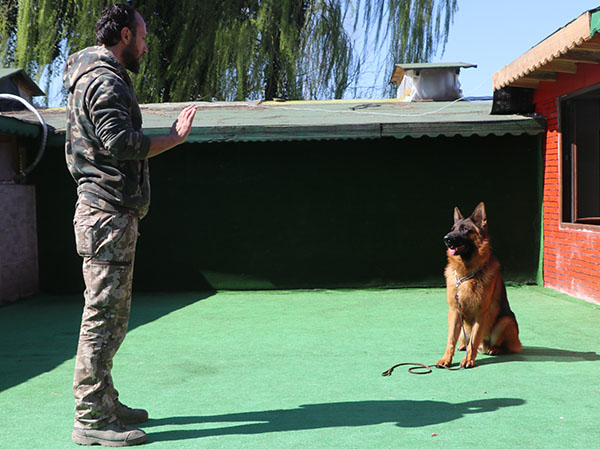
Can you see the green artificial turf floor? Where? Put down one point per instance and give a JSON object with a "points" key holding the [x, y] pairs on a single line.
{"points": [[302, 369]]}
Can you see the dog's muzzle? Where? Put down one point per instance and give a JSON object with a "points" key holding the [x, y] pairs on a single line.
{"points": [[454, 243]]}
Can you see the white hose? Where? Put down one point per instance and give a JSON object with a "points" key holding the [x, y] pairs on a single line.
{"points": [[44, 130]]}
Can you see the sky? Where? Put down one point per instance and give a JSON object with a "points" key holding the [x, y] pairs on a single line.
{"points": [[492, 34]]}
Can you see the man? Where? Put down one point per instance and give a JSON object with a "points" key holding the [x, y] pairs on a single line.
{"points": [[106, 153]]}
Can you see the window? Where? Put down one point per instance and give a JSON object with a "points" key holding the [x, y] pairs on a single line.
{"points": [[580, 159]]}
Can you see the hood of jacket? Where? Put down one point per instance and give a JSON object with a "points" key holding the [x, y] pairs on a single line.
{"points": [[88, 59]]}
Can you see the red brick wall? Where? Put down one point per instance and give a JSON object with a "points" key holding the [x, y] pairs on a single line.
{"points": [[571, 256]]}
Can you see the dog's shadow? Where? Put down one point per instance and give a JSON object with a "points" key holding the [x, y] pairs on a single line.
{"points": [[541, 354]]}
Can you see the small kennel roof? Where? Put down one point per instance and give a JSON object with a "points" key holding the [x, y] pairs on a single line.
{"points": [[401, 69], [22, 79]]}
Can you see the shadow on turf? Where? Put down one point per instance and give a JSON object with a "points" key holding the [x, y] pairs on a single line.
{"points": [[541, 354], [318, 416], [42, 331]]}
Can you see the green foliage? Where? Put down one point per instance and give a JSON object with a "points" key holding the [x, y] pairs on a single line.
{"points": [[242, 49], [8, 30], [415, 26]]}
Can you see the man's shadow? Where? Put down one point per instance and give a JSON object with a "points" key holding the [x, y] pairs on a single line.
{"points": [[318, 416]]}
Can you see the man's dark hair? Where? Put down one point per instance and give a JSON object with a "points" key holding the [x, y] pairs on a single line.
{"points": [[112, 20]]}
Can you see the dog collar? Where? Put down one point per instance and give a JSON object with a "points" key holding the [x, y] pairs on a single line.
{"points": [[466, 278]]}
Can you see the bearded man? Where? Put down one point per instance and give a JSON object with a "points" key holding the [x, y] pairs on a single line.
{"points": [[107, 155]]}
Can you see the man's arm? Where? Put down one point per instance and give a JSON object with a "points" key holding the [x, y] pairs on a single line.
{"points": [[108, 101], [179, 131]]}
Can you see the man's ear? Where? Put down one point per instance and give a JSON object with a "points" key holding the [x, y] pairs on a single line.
{"points": [[126, 34]]}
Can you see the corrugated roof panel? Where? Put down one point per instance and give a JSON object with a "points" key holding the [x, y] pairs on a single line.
{"points": [[338, 119], [450, 129], [263, 133]]}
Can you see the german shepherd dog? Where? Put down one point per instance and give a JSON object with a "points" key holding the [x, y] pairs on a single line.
{"points": [[479, 316]]}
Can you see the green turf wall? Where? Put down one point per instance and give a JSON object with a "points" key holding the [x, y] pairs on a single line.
{"points": [[310, 214]]}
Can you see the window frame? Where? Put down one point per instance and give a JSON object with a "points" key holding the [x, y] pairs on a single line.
{"points": [[570, 225]]}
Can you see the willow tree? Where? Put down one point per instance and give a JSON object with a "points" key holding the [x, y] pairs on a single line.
{"points": [[242, 49]]}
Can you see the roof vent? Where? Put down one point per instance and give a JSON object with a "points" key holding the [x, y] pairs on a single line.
{"points": [[17, 82], [428, 81]]}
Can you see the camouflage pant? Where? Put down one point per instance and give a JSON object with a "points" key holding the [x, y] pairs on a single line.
{"points": [[106, 241]]}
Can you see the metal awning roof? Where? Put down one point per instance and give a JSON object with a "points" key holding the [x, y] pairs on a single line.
{"points": [[19, 127], [576, 42], [336, 119]]}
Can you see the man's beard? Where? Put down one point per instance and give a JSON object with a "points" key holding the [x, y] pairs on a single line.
{"points": [[130, 61]]}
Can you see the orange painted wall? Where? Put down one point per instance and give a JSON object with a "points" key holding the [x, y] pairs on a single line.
{"points": [[571, 256]]}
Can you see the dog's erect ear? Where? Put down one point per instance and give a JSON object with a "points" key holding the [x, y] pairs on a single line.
{"points": [[457, 215], [479, 217]]}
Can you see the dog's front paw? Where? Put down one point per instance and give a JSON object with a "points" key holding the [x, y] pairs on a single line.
{"points": [[467, 363], [446, 361]]}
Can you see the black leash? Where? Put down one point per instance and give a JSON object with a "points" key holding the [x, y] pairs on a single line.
{"points": [[419, 368], [422, 368]]}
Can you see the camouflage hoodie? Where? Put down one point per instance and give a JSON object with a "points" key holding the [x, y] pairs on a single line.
{"points": [[105, 148]]}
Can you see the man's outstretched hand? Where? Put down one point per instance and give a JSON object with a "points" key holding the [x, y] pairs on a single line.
{"points": [[183, 125], [180, 130]]}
